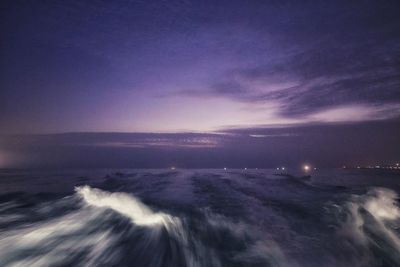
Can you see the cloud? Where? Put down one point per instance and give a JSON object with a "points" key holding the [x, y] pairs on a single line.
{"points": [[346, 59], [307, 84], [353, 113], [122, 140], [328, 144], [162, 142], [101, 65]]}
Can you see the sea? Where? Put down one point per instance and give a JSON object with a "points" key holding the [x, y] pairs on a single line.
{"points": [[199, 217]]}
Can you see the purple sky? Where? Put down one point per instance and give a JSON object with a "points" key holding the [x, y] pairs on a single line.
{"points": [[197, 66]]}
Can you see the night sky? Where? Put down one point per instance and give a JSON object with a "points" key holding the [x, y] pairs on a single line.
{"points": [[199, 83]]}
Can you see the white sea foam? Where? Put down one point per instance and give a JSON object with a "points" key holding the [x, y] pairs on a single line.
{"points": [[125, 204], [55, 241], [63, 239], [140, 214], [48, 241], [381, 204], [372, 223]]}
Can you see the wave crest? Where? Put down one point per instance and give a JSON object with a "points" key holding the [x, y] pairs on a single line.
{"points": [[371, 225], [126, 205]]}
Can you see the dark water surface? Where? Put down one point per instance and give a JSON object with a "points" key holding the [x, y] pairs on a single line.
{"points": [[199, 218]]}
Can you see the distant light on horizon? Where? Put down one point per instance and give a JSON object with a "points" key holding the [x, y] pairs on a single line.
{"points": [[306, 167]]}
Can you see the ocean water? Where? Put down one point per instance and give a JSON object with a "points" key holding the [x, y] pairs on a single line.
{"points": [[199, 218]]}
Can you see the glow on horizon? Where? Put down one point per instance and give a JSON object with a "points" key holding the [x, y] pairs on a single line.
{"points": [[187, 114], [352, 113]]}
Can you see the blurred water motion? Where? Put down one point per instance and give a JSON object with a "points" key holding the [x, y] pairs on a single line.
{"points": [[198, 218]]}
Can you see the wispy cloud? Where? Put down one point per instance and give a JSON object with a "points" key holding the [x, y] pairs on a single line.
{"points": [[348, 60], [102, 65], [172, 142], [328, 144]]}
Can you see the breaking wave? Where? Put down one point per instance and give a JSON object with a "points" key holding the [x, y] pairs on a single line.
{"points": [[203, 218], [117, 229], [126, 205], [370, 227]]}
